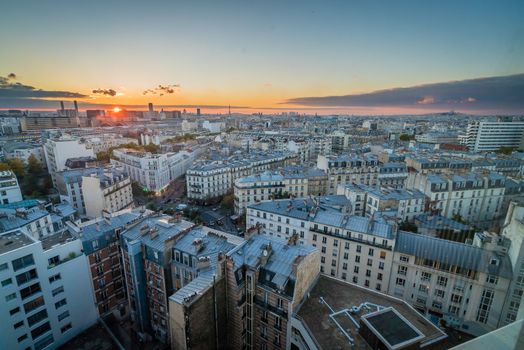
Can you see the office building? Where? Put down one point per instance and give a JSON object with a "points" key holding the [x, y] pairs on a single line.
{"points": [[9, 188]]}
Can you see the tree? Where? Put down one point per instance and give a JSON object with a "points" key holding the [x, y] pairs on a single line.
{"points": [[4, 167], [505, 150], [152, 148], [33, 165], [404, 137], [17, 166]]}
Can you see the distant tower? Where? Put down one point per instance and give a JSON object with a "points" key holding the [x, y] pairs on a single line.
{"points": [[76, 105], [198, 111], [62, 105], [229, 110], [150, 107]]}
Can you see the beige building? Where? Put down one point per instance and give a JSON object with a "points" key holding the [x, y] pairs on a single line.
{"points": [[107, 190]]}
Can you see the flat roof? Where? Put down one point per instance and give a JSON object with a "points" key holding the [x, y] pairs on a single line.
{"points": [[13, 240], [338, 296], [392, 329]]}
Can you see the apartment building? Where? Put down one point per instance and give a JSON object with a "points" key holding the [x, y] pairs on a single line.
{"points": [[392, 175], [474, 197], [197, 309], [69, 186], [24, 150], [352, 248], [35, 221], [147, 256], [9, 188], [290, 181], [150, 170], [101, 244], [486, 136], [347, 169], [206, 180], [466, 285], [405, 203], [103, 142], [107, 190], [59, 150], [514, 231], [45, 291], [155, 172]]}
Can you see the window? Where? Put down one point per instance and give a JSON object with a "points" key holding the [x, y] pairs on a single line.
{"points": [[344, 266], [401, 282], [14, 311], [37, 317], [404, 258], [55, 278], [33, 304], [315, 237], [3, 266], [402, 270], [26, 277], [381, 265], [58, 290], [370, 262], [359, 248], [368, 273], [426, 276], [456, 298], [323, 250], [485, 306], [346, 256], [324, 240], [442, 281], [53, 261], [31, 290], [66, 328], [60, 303], [63, 315], [357, 258], [18, 324], [7, 282], [439, 293], [492, 279], [382, 254], [370, 252], [23, 262], [22, 338], [346, 245]]}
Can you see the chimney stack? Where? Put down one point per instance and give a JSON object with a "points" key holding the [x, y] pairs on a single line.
{"points": [[62, 105], [76, 105]]}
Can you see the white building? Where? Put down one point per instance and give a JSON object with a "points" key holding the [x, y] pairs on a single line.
{"points": [[155, 171], [353, 248], [213, 127], [103, 142], [294, 182], [35, 221], [45, 288], [150, 170], [207, 179], [475, 197], [466, 285], [9, 188], [107, 190], [406, 203], [23, 151], [514, 231], [58, 151], [485, 136], [347, 169]]}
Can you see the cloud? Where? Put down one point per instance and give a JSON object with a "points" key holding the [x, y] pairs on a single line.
{"points": [[161, 90], [106, 92], [16, 90], [493, 93], [426, 100]]}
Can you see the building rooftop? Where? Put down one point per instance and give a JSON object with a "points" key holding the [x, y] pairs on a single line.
{"points": [[57, 239], [454, 253], [13, 240], [11, 219], [332, 299]]}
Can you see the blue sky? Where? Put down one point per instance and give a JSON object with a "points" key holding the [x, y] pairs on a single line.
{"points": [[259, 53]]}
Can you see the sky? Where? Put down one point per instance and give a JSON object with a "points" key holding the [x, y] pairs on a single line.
{"points": [[321, 56]]}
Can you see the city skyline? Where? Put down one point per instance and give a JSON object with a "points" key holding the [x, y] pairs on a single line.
{"points": [[315, 58]]}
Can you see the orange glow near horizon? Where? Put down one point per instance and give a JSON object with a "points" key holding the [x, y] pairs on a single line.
{"points": [[117, 109]]}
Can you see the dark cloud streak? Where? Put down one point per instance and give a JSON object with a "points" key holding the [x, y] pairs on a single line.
{"points": [[106, 92], [503, 92], [16, 90]]}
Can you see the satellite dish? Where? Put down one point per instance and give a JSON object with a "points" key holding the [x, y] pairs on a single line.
{"points": [[264, 252]]}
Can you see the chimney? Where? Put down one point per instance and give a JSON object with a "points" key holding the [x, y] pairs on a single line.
{"points": [[76, 105], [266, 253], [62, 105]]}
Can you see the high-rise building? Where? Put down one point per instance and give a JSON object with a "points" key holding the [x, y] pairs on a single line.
{"points": [[486, 136], [9, 188]]}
